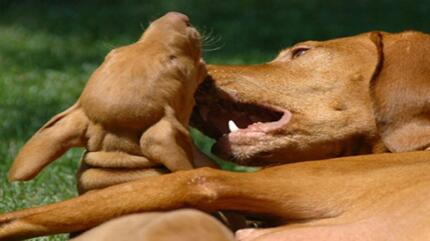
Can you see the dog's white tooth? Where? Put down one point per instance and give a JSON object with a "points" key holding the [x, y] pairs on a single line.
{"points": [[232, 126]]}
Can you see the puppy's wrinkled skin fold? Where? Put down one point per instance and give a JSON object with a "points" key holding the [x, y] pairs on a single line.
{"points": [[133, 112], [342, 98]]}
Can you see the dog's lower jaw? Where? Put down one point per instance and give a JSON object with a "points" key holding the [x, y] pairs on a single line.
{"points": [[272, 150]]}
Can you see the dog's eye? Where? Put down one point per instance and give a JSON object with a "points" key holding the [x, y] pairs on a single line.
{"points": [[172, 57], [295, 53]]}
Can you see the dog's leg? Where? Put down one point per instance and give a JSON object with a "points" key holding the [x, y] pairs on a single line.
{"points": [[168, 142], [206, 189], [102, 169], [91, 178], [157, 193], [302, 191], [117, 160]]}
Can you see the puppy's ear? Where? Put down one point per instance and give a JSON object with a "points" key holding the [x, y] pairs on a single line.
{"points": [[400, 90], [63, 131]]}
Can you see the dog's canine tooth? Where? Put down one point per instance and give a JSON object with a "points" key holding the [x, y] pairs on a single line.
{"points": [[232, 126]]}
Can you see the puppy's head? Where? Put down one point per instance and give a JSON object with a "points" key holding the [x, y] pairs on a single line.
{"points": [[130, 89]]}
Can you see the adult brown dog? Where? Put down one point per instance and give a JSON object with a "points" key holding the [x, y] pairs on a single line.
{"points": [[317, 100]]}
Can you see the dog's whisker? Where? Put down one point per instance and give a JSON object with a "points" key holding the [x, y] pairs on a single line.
{"points": [[212, 40], [212, 43], [213, 49], [208, 38], [204, 32]]}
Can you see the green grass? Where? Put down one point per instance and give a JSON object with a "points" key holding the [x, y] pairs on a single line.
{"points": [[48, 49]]}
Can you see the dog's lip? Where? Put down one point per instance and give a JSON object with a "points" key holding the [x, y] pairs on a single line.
{"points": [[257, 134], [266, 127], [247, 123], [256, 123], [258, 130]]}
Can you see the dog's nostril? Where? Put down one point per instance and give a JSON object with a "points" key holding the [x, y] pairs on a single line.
{"points": [[178, 17]]}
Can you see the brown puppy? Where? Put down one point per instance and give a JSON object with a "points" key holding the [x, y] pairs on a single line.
{"points": [[135, 107], [359, 95]]}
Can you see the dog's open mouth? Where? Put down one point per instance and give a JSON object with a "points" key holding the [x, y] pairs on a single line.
{"points": [[220, 116]]}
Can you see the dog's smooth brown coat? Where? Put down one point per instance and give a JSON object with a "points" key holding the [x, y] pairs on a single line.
{"points": [[359, 95]]}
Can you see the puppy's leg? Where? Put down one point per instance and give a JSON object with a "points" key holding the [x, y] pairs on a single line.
{"points": [[103, 169], [168, 142], [92, 178], [116, 159]]}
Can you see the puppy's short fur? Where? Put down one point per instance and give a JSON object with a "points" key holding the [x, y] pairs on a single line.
{"points": [[134, 110]]}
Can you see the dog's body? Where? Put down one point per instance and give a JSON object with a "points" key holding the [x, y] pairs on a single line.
{"points": [[360, 95]]}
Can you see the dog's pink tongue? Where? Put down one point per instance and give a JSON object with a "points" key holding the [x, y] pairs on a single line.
{"points": [[271, 126], [264, 127]]}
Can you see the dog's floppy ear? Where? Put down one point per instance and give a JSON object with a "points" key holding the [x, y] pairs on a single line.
{"points": [[400, 90], [63, 131]]}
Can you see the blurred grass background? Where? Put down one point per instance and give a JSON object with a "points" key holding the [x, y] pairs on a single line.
{"points": [[48, 49]]}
